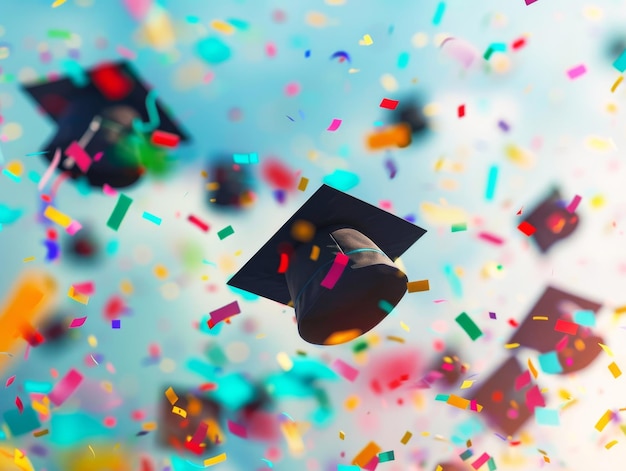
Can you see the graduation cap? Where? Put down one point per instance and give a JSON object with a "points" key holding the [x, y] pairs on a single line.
{"points": [[333, 262], [98, 113]]}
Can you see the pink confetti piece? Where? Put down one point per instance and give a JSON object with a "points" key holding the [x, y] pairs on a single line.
{"points": [[270, 49], [19, 404], [77, 322], [576, 72], [9, 381], [223, 313], [27, 352], [333, 275], [534, 398], [87, 288], [491, 238], [66, 387], [522, 380], [50, 170], [237, 429], [98, 156], [571, 208], [138, 8], [79, 156], [348, 372], [127, 53], [482, 459], [530, 2], [74, 227], [334, 125], [198, 438], [292, 89], [107, 190]]}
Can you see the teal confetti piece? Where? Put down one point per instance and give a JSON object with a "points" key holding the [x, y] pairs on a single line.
{"points": [[467, 454], [442, 397], [386, 456], [34, 177], [120, 210], [213, 50], [468, 325], [441, 9], [491, 464], [227, 231], [545, 416], [75, 73], [38, 388], [152, 218], [494, 47], [585, 318], [492, 178], [192, 19], [347, 467], [385, 306], [13, 177], [549, 363], [454, 281], [111, 247], [342, 180], [1, 156], [8, 215], [403, 60], [620, 62], [239, 24], [459, 227], [154, 118]]}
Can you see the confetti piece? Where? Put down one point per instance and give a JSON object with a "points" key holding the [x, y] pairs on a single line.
{"points": [[457, 401], [40, 433], [585, 318], [57, 217], [620, 62], [348, 372], [78, 322], [611, 444], [152, 218], [389, 104], [418, 286], [406, 437], [117, 216], [66, 387], [604, 420], [58, 3], [492, 178], [545, 416], [335, 272], [246, 158], [468, 325], [116, 324], [617, 83], [76, 296], [366, 455], [341, 435], [466, 455], [334, 125], [171, 396], [494, 239], [201, 224], [366, 41], [492, 315], [9, 381], [441, 8], [303, 184], [566, 327], [459, 227], [576, 71], [227, 231], [164, 139], [386, 456], [615, 371], [511, 345], [482, 459], [460, 111], [215, 460], [223, 313], [237, 429], [527, 228], [549, 363], [608, 351], [571, 208]]}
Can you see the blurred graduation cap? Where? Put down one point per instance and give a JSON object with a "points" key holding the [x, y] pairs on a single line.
{"points": [[230, 184], [333, 262], [97, 111]]}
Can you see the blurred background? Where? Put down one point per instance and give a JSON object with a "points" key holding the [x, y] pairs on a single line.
{"points": [[504, 144]]}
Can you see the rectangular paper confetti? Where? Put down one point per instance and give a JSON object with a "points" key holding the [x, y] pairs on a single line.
{"points": [[215, 460], [57, 217], [406, 437], [468, 325], [334, 125], [120, 210], [458, 401], [482, 459], [620, 62], [227, 231], [333, 275], [224, 312], [366, 455], [237, 429], [459, 227], [585, 318], [492, 178], [389, 104], [152, 218], [164, 139], [348, 372], [566, 327], [615, 371], [66, 387], [171, 396], [199, 223], [441, 8], [576, 71], [527, 228], [549, 363], [303, 184], [418, 286], [386, 456], [79, 156], [545, 416], [604, 420]]}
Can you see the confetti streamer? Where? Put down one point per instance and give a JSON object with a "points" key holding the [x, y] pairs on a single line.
{"points": [[198, 223]]}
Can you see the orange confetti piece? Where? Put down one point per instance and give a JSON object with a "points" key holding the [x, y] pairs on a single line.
{"points": [[615, 371], [366, 454], [458, 401]]}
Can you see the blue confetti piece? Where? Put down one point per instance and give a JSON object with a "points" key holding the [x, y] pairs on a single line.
{"points": [[454, 281], [112, 247], [34, 177], [152, 218], [8, 215], [549, 363], [441, 8], [585, 318], [403, 60], [545, 416], [213, 50], [342, 180], [307, 53], [620, 62], [13, 177]]}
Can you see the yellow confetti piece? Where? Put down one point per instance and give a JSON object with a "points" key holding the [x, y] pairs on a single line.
{"points": [[216, 459], [439, 468], [318, 20], [611, 444], [160, 272], [597, 201], [171, 395], [425, 434], [58, 3], [92, 341], [15, 167], [404, 326], [532, 368], [442, 214], [92, 452], [599, 143], [149, 426], [352, 402], [389, 83], [511, 345], [620, 310], [342, 435], [41, 433], [293, 437], [57, 217], [178, 411], [284, 361], [366, 41], [126, 287], [615, 371], [467, 383], [28, 259], [431, 109], [604, 420], [222, 27], [519, 156], [78, 297], [393, 338], [616, 83], [606, 349], [406, 437], [540, 318], [303, 184]]}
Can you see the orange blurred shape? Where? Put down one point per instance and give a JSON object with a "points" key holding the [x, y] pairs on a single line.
{"points": [[14, 461], [29, 298], [398, 135]]}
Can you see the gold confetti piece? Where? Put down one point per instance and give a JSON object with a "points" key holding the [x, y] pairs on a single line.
{"points": [[417, 286], [606, 349], [260, 336], [160, 272], [620, 310], [342, 435], [92, 341], [28, 259], [615, 371], [366, 41], [611, 444], [404, 326], [519, 156], [366, 454], [126, 287], [303, 184], [439, 468], [511, 345], [425, 434], [40, 433], [293, 437], [149, 426], [604, 420], [532, 368], [178, 411], [540, 318], [406, 437], [315, 253], [171, 396], [222, 27], [78, 297], [284, 361], [352, 402], [316, 19], [393, 338], [92, 452], [216, 459], [616, 83], [58, 3], [467, 383], [599, 143], [57, 216]]}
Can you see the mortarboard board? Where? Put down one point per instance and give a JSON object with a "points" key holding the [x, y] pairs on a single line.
{"points": [[98, 116], [332, 260]]}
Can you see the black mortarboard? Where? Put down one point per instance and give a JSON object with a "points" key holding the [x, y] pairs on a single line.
{"points": [[332, 260], [97, 112]]}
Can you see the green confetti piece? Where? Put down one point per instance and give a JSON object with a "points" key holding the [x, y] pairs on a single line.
{"points": [[494, 47], [225, 232], [467, 454], [492, 464], [59, 34], [359, 346], [385, 306], [120, 210], [468, 325], [459, 227], [386, 456]]}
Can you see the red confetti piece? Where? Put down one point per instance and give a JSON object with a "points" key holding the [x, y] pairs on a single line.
{"points": [[237, 430], [201, 224], [513, 323], [527, 228], [333, 275], [194, 444], [165, 139], [278, 175], [389, 104], [284, 263], [566, 327], [461, 111], [111, 82], [518, 43], [9, 381], [19, 404]]}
